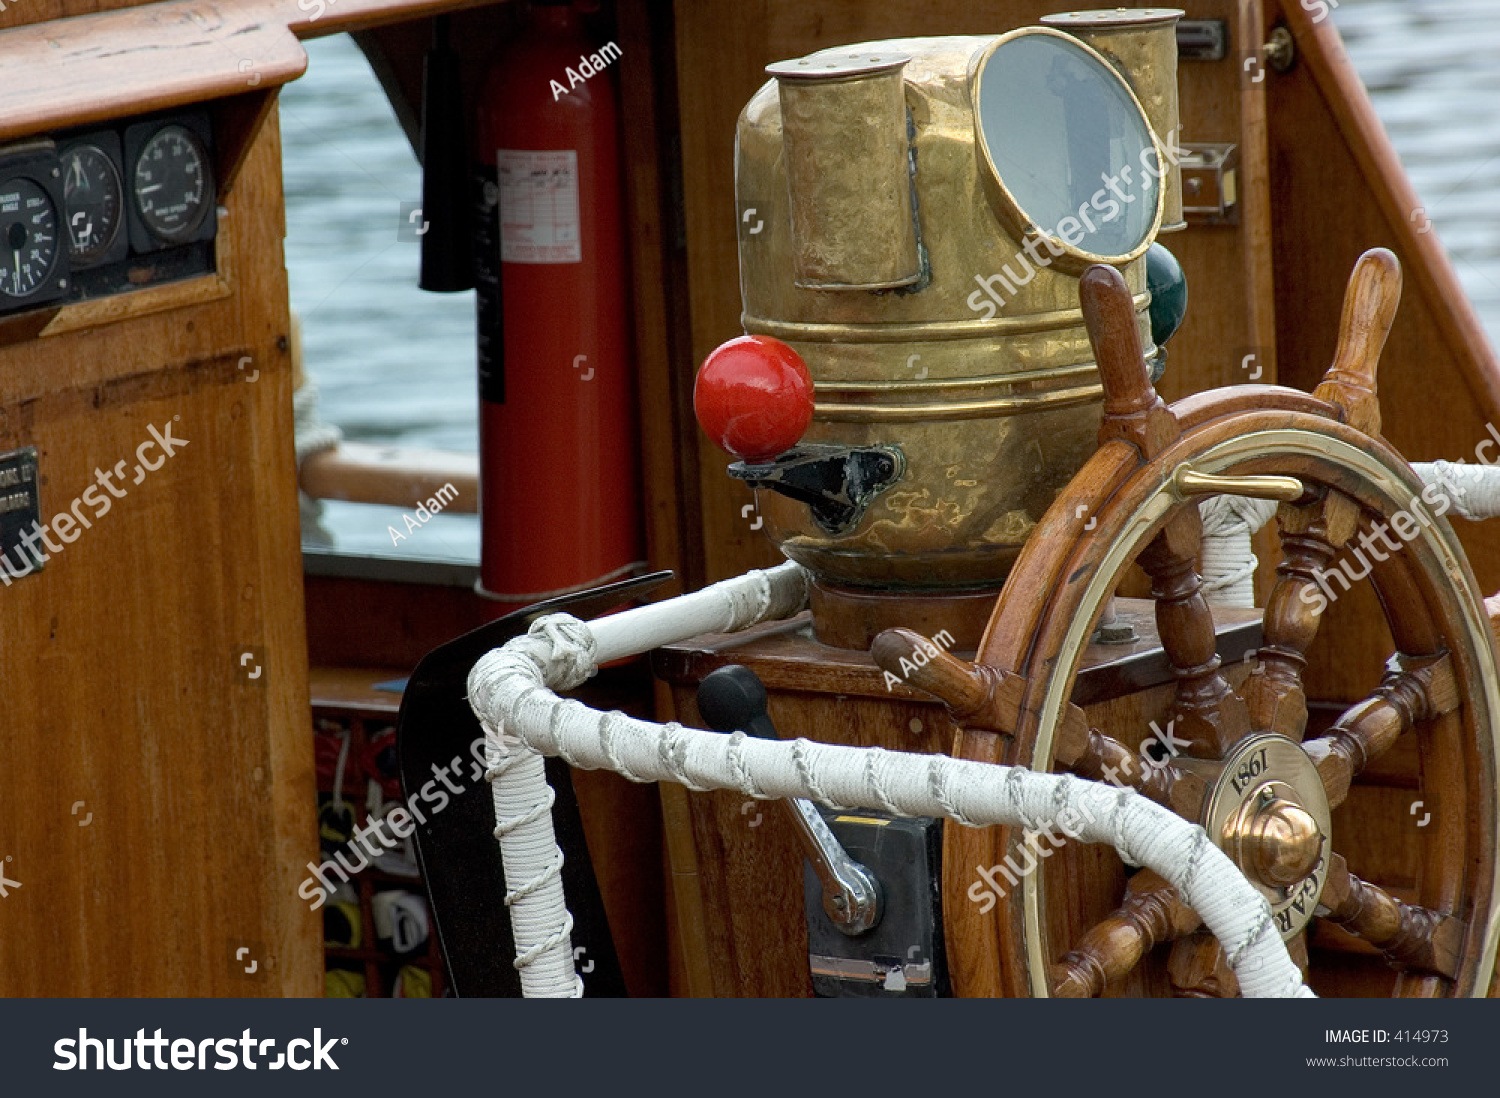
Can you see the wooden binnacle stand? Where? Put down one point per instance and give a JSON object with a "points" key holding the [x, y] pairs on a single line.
{"points": [[1206, 712]]}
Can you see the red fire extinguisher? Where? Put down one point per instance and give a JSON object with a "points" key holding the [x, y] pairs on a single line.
{"points": [[559, 486]]}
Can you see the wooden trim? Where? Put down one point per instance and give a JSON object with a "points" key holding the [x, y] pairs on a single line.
{"points": [[92, 68], [664, 366], [392, 475], [1256, 209], [324, 17], [97, 312]]}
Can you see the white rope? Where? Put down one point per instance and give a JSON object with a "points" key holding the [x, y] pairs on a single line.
{"points": [[727, 607], [1473, 490], [1229, 560], [561, 652], [1229, 522], [508, 690]]}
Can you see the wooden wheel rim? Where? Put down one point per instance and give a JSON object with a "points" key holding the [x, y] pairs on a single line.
{"points": [[1383, 475]]}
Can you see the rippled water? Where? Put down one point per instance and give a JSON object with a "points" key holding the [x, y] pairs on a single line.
{"points": [[1433, 71], [393, 363], [397, 364]]}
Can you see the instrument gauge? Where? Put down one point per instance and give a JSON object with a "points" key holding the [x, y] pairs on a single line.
{"points": [[95, 199], [28, 238], [171, 184]]}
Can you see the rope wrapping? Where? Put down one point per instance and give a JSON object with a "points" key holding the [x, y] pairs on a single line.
{"points": [[510, 691], [1473, 490], [1229, 560]]}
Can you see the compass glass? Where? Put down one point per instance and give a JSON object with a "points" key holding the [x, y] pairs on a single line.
{"points": [[1068, 145], [28, 237], [171, 184], [94, 197]]}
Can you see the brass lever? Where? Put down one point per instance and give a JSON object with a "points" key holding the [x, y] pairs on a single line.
{"points": [[1186, 482]]}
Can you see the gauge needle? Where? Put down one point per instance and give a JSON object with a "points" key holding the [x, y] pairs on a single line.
{"points": [[17, 256], [153, 187]]}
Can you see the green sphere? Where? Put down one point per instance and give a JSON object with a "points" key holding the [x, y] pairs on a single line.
{"points": [[1168, 287]]}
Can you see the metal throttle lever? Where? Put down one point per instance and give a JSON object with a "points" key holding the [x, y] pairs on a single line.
{"points": [[733, 699]]}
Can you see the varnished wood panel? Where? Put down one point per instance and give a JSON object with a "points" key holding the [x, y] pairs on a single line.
{"points": [[123, 678], [305, 18], [112, 64]]}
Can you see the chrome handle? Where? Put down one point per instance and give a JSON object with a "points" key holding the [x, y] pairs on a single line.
{"points": [[732, 699], [851, 895]]}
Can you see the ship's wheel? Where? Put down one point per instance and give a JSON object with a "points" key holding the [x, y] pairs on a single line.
{"points": [[1241, 762]]}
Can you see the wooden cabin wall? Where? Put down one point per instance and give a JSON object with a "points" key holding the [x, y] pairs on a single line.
{"points": [[1228, 269], [1340, 189], [158, 799]]}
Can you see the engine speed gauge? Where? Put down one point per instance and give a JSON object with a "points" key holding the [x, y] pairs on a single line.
{"points": [[28, 238], [171, 184], [94, 197]]}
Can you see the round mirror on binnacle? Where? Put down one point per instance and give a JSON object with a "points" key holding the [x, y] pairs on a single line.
{"points": [[1065, 149]]}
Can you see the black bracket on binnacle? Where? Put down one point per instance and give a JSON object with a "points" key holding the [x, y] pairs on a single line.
{"points": [[836, 482]]}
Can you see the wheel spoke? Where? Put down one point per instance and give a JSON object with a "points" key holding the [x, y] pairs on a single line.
{"points": [[1206, 710], [1408, 936], [1106, 759], [1411, 692], [1310, 536], [1312, 533], [983, 697], [1152, 912]]}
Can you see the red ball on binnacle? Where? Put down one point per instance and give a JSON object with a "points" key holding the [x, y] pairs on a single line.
{"points": [[754, 397]]}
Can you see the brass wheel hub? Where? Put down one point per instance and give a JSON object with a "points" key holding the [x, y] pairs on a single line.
{"points": [[1269, 813]]}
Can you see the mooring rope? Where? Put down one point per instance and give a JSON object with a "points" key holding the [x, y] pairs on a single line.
{"points": [[510, 690]]}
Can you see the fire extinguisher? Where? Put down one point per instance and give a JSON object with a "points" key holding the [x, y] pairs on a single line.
{"points": [[559, 485]]}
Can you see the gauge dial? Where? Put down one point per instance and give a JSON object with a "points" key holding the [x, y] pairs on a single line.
{"points": [[94, 197], [171, 184], [28, 237]]}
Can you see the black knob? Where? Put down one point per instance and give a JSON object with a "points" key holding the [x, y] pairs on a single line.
{"points": [[733, 699]]}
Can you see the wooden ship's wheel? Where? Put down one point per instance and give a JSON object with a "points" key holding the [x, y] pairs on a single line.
{"points": [[1239, 758]]}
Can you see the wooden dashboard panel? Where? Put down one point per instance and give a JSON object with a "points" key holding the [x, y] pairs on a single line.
{"points": [[157, 806]]}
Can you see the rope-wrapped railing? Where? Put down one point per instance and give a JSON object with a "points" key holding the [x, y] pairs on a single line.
{"points": [[1229, 522], [511, 691]]}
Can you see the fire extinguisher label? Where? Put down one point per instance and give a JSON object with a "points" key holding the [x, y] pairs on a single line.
{"points": [[539, 206]]}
